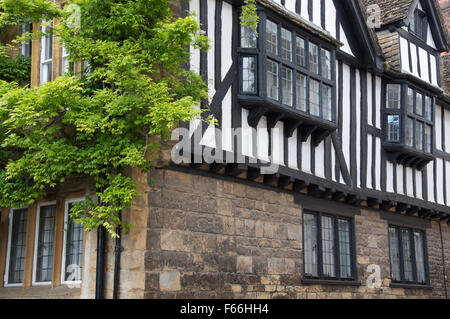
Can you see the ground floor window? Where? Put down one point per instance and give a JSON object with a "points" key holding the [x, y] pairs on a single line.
{"points": [[57, 240], [15, 262], [328, 247], [408, 255]]}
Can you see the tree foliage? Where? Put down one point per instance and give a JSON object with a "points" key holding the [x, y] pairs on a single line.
{"points": [[97, 123]]}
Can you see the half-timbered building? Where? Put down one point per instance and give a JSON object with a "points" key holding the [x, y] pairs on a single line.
{"points": [[327, 175]]}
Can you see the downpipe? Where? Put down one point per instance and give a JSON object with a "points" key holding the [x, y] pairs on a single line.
{"points": [[117, 251]]}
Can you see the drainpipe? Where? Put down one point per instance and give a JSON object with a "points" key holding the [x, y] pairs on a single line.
{"points": [[117, 251], [443, 261], [100, 282], [100, 271]]}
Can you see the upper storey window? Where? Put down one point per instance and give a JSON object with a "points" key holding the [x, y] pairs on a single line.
{"points": [[286, 71], [288, 75], [409, 124], [309, 72], [419, 25], [46, 55]]}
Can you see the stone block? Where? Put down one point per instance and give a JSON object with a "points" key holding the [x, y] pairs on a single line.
{"points": [[244, 264], [169, 281]]}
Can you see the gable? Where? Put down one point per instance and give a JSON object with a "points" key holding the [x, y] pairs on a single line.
{"points": [[437, 35], [400, 13]]}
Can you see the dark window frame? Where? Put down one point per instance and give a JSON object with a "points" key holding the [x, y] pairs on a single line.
{"points": [[400, 151], [404, 114], [321, 278], [419, 16], [411, 230], [262, 56], [12, 245]]}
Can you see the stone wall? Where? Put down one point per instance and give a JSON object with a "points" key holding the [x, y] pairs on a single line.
{"points": [[209, 237], [132, 272]]}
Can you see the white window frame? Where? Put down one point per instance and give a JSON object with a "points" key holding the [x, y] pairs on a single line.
{"points": [[8, 252], [66, 219], [44, 62], [36, 239], [65, 64]]}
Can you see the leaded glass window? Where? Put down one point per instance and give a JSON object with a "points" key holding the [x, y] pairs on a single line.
{"points": [[73, 248], [271, 37], [249, 74], [408, 255], [393, 96], [328, 247], [272, 80], [45, 242], [18, 237], [286, 85], [286, 44]]}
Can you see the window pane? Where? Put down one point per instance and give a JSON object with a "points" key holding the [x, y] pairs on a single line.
{"points": [[286, 86], [428, 108], [314, 98], [420, 257], [313, 58], [395, 254], [428, 138], [46, 75], [326, 103], [272, 80], [410, 132], [26, 47], [286, 44], [301, 92], [248, 38], [249, 75], [18, 242], [393, 128], [48, 47], [419, 135], [410, 100], [344, 248], [300, 52], [310, 224], [44, 258], [326, 64], [419, 104], [272, 37], [407, 255], [393, 96], [328, 247], [74, 250]]}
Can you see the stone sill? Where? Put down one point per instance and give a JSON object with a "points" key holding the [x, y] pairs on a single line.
{"points": [[330, 282], [411, 286]]}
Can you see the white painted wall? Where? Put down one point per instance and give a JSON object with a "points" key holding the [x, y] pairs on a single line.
{"points": [[404, 54], [293, 151]]}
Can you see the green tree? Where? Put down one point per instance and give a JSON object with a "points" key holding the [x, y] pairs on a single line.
{"points": [[97, 123]]}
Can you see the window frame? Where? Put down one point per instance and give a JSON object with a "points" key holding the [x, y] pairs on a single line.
{"points": [[36, 242], [46, 62], [63, 258], [422, 155], [25, 27], [419, 14], [321, 278], [6, 283], [262, 56], [411, 230]]}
